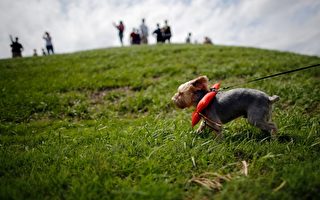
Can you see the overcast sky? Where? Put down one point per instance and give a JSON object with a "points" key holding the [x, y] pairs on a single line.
{"points": [[286, 25]]}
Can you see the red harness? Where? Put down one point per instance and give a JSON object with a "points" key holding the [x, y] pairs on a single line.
{"points": [[203, 103]]}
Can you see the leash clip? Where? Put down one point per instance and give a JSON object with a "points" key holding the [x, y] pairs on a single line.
{"points": [[214, 90]]}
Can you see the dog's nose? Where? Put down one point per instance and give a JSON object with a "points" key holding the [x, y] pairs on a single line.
{"points": [[174, 98]]}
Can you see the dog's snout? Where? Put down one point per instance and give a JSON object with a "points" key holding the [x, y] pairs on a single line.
{"points": [[175, 97]]}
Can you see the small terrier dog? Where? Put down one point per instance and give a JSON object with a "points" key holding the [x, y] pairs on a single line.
{"points": [[252, 104]]}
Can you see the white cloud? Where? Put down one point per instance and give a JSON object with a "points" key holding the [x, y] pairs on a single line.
{"points": [[86, 24]]}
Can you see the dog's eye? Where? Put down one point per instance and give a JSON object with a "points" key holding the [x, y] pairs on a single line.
{"points": [[180, 93]]}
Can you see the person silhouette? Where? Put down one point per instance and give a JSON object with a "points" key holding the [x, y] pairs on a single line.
{"points": [[135, 37], [158, 33], [35, 54], [144, 32], [16, 48], [166, 32], [48, 40], [120, 28], [207, 40], [188, 40], [43, 52]]}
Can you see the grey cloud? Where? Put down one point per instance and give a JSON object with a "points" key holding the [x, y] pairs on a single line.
{"points": [[83, 24]]}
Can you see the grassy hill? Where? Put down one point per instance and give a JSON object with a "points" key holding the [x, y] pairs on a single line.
{"points": [[100, 125]]}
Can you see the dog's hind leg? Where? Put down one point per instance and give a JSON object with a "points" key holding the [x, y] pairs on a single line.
{"points": [[266, 126], [269, 127], [262, 120]]}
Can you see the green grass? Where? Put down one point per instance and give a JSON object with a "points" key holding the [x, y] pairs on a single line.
{"points": [[100, 125]]}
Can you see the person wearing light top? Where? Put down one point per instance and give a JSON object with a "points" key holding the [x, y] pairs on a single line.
{"points": [[49, 45], [144, 32]]}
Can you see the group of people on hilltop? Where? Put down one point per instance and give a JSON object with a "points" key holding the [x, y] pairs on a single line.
{"points": [[140, 36], [17, 48], [137, 36]]}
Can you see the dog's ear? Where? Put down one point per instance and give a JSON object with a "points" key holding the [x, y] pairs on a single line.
{"points": [[200, 83]]}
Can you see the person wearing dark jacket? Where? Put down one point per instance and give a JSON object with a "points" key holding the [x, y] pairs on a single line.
{"points": [[158, 34], [16, 48], [166, 32]]}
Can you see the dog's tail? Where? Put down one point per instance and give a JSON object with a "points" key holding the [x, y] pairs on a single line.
{"points": [[274, 99]]}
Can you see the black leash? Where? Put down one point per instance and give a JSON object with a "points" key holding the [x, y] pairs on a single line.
{"points": [[273, 75]]}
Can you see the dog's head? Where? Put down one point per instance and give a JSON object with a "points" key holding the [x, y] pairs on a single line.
{"points": [[190, 93]]}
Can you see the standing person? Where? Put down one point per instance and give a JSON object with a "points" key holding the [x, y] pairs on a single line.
{"points": [[132, 36], [43, 52], [35, 54], [120, 28], [158, 34], [188, 40], [144, 32], [48, 40], [207, 40], [16, 48], [135, 37], [166, 32]]}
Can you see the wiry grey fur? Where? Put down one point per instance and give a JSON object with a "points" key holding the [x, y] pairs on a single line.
{"points": [[252, 104]]}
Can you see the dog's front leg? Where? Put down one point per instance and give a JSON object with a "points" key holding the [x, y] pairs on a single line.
{"points": [[201, 128], [216, 128], [219, 133]]}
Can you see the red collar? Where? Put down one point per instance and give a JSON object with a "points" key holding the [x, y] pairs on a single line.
{"points": [[203, 103]]}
